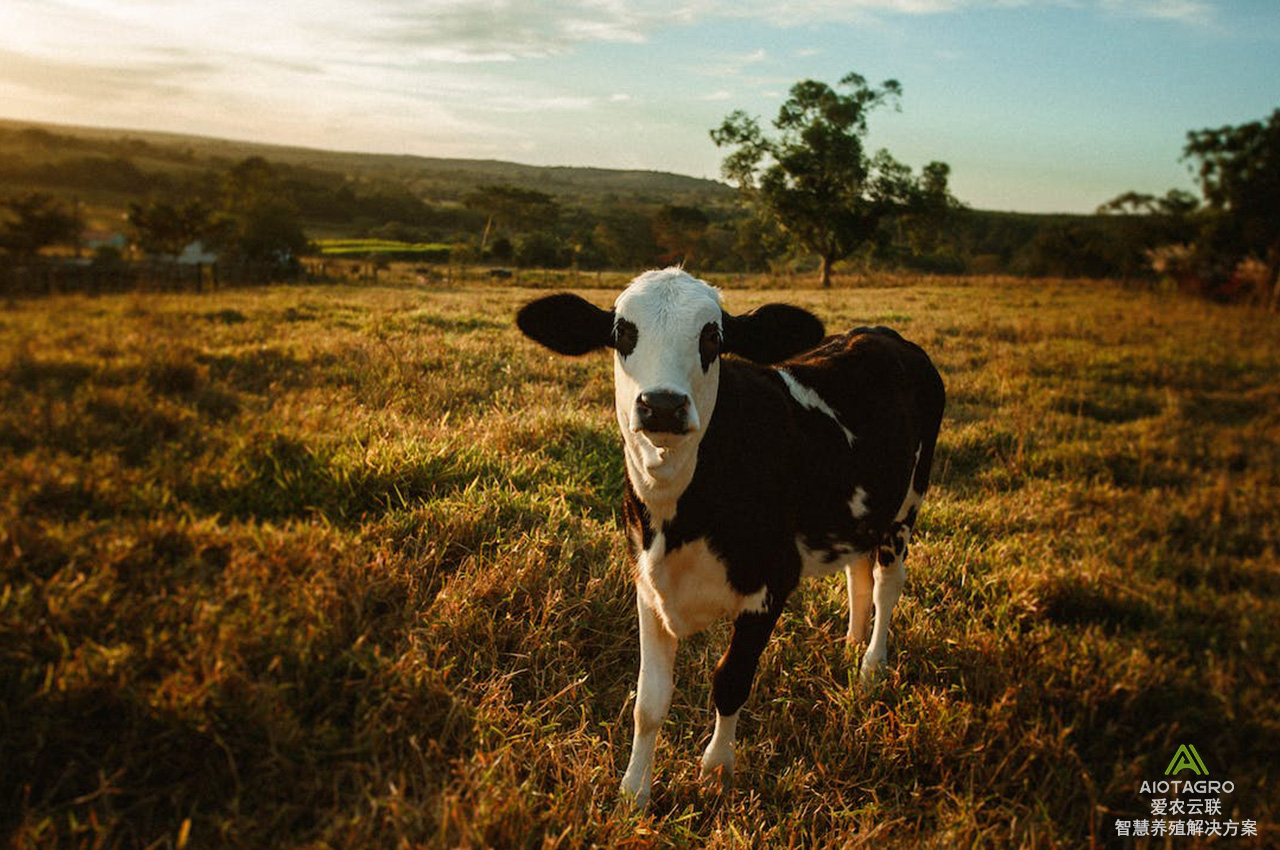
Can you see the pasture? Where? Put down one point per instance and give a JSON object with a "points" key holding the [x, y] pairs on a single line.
{"points": [[332, 566], [359, 248]]}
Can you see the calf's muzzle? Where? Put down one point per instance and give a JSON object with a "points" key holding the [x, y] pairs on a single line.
{"points": [[663, 412]]}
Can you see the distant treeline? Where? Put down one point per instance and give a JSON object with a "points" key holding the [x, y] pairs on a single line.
{"points": [[505, 214]]}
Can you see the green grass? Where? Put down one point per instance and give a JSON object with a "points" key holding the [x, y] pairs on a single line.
{"points": [[433, 251], [337, 566]]}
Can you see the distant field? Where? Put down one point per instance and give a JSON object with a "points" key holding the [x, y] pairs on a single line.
{"points": [[352, 248], [339, 566]]}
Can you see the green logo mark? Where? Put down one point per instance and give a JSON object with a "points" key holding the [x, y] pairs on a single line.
{"points": [[1186, 757]]}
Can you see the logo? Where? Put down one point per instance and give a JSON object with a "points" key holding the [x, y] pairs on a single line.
{"points": [[1190, 807], [1186, 758]]}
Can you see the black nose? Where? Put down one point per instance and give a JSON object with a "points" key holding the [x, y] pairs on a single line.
{"points": [[662, 411]]}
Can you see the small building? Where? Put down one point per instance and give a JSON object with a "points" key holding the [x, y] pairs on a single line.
{"points": [[196, 254]]}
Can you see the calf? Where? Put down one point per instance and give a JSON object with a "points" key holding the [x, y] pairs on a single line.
{"points": [[742, 478]]}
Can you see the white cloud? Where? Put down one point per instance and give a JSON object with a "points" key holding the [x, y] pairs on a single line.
{"points": [[1184, 11], [729, 64]]}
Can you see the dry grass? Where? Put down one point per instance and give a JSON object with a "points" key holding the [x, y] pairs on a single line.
{"points": [[341, 567]]}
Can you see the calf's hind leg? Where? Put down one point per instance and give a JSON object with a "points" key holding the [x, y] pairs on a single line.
{"points": [[890, 574], [859, 580]]}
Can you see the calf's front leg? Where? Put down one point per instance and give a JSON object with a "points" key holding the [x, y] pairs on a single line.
{"points": [[653, 698], [730, 688]]}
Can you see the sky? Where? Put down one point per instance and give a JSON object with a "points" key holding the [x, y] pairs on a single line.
{"points": [[1037, 105]]}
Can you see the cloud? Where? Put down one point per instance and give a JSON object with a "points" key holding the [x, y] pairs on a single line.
{"points": [[794, 13], [157, 75], [506, 30], [729, 64], [1184, 11]]}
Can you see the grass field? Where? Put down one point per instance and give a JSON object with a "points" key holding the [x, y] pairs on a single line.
{"points": [[341, 567], [424, 251]]}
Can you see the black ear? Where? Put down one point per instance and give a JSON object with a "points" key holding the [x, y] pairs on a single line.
{"points": [[566, 324], [771, 333]]}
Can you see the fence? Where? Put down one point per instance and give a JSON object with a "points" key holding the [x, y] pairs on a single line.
{"points": [[52, 277]]}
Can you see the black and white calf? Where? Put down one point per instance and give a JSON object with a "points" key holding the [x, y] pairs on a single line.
{"points": [[742, 478]]}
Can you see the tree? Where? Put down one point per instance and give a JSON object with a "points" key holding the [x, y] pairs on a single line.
{"points": [[924, 223], [624, 236], [1239, 171], [680, 232], [165, 228], [260, 219], [268, 233], [34, 221], [513, 208], [814, 179], [1176, 203]]}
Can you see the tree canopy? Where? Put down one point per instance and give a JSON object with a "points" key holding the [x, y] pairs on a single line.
{"points": [[1239, 171], [33, 221], [164, 228], [814, 178], [513, 208]]}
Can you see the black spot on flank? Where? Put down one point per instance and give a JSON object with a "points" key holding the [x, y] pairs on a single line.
{"points": [[625, 337]]}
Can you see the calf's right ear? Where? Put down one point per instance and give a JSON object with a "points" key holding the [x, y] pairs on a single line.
{"points": [[566, 324]]}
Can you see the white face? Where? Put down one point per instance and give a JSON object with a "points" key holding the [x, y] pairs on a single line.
{"points": [[666, 368]]}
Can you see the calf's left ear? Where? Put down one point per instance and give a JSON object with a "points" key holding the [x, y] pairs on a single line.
{"points": [[566, 324], [771, 333]]}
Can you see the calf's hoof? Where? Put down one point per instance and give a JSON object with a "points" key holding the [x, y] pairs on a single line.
{"points": [[633, 799], [716, 774], [872, 668]]}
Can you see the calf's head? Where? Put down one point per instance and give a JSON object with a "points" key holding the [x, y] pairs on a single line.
{"points": [[668, 331]]}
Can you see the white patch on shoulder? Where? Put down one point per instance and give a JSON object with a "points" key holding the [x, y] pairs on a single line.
{"points": [[689, 587], [816, 563], [806, 397], [858, 504]]}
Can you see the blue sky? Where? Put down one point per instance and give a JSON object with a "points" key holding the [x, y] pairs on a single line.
{"points": [[1037, 105]]}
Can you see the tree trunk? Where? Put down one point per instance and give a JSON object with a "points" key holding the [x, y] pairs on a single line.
{"points": [[827, 263]]}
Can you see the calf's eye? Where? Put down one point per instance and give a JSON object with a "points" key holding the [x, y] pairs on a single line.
{"points": [[625, 336], [709, 344]]}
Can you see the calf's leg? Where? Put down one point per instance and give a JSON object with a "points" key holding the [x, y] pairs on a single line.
{"points": [[859, 579], [731, 685], [890, 575], [653, 698]]}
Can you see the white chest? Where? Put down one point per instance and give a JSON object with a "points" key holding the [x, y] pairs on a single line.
{"points": [[689, 587]]}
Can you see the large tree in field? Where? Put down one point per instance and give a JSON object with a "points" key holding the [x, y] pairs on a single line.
{"points": [[680, 232], [34, 221], [1239, 170], [164, 228], [814, 178], [512, 207], [259, 222]]}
